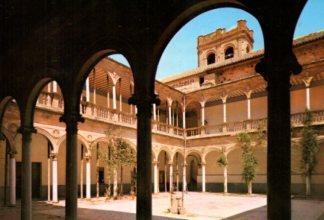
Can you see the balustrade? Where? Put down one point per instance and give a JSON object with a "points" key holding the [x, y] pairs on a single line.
{"points": [[55, 102]]}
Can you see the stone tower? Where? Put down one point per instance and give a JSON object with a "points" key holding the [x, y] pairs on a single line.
{"points": [[222, 45]]}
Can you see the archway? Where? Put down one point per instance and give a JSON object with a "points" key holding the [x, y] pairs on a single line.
{"points": [[164, 170], [194, 180], [214, 172]]}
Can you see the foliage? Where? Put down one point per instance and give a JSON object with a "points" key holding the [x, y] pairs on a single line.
{"points": [[309, 145], [125, 154], [249, 160], [222, 161]]}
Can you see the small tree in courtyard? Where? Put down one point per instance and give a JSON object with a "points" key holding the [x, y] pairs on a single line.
{"points": [[222, 162], [310, 147], [249, 160], [126, 156]]}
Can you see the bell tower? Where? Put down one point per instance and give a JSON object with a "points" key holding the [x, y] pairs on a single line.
{"points": [[222, 45]]}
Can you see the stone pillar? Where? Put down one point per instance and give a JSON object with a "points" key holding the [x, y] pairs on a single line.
{"points": [[26, 186], [88, 178], [49, 161], [169, 100], [114, 96], [203, 113], [71, 120], [276, 69], [203, 177], [171, 176], [184, 177], [108, 100], [184, 118], [154, 111], [248, 98], [144, 153], [156, 177], [54, 86], [224, 98], [120, 102], [307, 82], [54, 178], [12, 179], [94, 96], [87, 90], [81, 175]]}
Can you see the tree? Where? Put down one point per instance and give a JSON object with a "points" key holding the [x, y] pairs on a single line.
{"points": [[126, 156], [222, 162], [310, 147], [249, 160]]}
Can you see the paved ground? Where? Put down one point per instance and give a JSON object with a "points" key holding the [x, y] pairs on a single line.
{"points": [[202, 206]]}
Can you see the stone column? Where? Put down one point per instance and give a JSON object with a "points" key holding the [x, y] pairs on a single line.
{"points": [[114, 96], [156, 177], [108, 100], [307, 82], [94, 96], [49, 161], [248, 98], [203, 177], [171, 176], [54, 178], [202, 103], [87, 90], [26, 186], [12, 179], [184, 117], [120, 102], [154, 111], [169, 100], [184, 177], [224, 98], [276, 69], [71, 120], [54, 86], [88, 178], [81, 174], [144, 153]]}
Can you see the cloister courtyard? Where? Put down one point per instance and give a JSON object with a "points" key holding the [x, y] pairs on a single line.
{"points": [[198, 206]]}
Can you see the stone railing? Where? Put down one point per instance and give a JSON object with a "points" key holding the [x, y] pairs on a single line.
{"points": [[52, 101]]}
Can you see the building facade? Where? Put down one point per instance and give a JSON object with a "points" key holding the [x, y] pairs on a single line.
{"points": [[200, 115]]}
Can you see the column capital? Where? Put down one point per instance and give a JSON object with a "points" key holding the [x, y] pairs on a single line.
{"points": [[287, 64], [248, 93], [155, 162], [169, 101], [307, 81], [12, 153], [114, 77], [224, 98], [71, 117], [203, 103], [144, 102]]}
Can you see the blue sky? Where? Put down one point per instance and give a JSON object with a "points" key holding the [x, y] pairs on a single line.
{"points": [[181, 53]]}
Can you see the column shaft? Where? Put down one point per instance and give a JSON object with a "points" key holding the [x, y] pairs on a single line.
{"points": [[203, 178], [26, 187], [88, 179], [171, 177], [87, 90], [249, 108], [54, 179], [307, 98], [114, 97], [184, 178], [224, 113], [278, 178], [12, 180], [170, 115], [156, 178], [154, 112], [202, 116], [48, 179]]}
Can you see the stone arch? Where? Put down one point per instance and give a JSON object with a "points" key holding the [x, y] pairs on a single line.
{"points": [[229, 51], [211, 57], [80, 137], [3, 105], [179, 151], [211, 149], [32, 99], [49, 137], [164, 148], [196, 153]]}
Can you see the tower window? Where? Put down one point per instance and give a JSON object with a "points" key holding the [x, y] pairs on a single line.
{"points": [[201, 80], [229, 53], [211, 58], [247, 49]]}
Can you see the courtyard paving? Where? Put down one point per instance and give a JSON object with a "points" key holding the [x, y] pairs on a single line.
{"points": [[202, 206]]}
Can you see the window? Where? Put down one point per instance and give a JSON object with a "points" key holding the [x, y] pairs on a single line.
{"points": [[247, 49], [211, 58], [229, 53], [201, 80], [101, 175]]}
